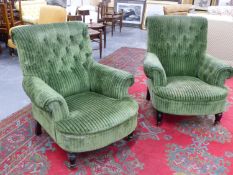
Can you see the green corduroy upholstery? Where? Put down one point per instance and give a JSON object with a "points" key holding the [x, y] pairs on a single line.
{"points": [[182, 78], [83, 105]]}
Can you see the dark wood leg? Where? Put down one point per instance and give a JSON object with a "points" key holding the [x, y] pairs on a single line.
{"points": [[101, 44], [104, 30], [115, 22], [148, 94], [129, 137], [121, 24], [71, 163], [159, 117], [218, 117], [38, 130], [112, 26]]}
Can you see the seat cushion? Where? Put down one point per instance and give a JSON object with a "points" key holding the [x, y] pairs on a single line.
{"points": [[91, 112], [185, 88]]}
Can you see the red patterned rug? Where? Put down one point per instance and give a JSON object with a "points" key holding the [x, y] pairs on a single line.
{"points": [[183, 145]]}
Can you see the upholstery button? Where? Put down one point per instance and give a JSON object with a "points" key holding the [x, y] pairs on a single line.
{"points": [[75, 58], [88, 54], [67, 49], [81, 46]]}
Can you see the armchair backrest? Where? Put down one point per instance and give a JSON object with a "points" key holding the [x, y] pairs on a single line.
{"points": [[52, 14], [179, 42], [59, 54]]}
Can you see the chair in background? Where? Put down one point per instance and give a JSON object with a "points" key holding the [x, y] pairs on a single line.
{"points": [[178, 9], [56, 14], [4, 23], [101, 28], [107, 18], [74, 17], [182, 78], [83, 105], [30, 10], [5, 28], [95, 35], [15, 16], [52, 14], [83, 13]]}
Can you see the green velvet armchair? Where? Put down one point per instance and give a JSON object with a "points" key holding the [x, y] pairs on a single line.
{"points": [[82, 105], [182, 78]]}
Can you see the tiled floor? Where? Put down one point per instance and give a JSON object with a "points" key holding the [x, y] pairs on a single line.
{"points": [[12, 96]]}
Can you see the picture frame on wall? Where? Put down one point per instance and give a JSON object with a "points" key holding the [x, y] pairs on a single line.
{"points": [[201, 4], [225, 2], [132, 11]]}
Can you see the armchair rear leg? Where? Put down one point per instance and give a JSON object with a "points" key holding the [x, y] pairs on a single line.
{"points": [[148, 94], [38, 130], [129, 137], [71, 163], [218, 117], [159, 117]]}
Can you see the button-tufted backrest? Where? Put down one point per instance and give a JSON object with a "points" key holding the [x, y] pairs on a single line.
{"points": [[179, 42], [57, 53]]}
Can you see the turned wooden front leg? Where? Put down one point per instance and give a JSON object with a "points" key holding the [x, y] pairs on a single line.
{"points": [[148, 94], [38, 130], [159, 117], [218, 118], [71, 163]]}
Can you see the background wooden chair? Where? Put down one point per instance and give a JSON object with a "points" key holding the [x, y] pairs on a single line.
{"points": [[95, 35], [10, 17], [74, 17], [14, 15], [109, 18], [4, 23]]}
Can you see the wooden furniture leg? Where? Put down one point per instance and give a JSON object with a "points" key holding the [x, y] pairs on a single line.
{"points": [[159, 117], [218, 117], [71, 163], [121, 23], [130, 136], [112, 26], [148, 94], [100, 44], [38, 130], [105, 36]]}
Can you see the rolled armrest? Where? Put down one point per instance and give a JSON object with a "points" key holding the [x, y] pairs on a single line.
{"points": [[44, 97], [214, 71], [154, 70], [110, 81]]}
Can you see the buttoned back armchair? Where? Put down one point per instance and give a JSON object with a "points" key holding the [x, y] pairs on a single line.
{"points": [[182, 78], [83, 105]]}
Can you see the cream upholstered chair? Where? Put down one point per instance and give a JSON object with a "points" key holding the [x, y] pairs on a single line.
{"points": [[48, 14], [30, 10], [177, 9], [52, 14]]}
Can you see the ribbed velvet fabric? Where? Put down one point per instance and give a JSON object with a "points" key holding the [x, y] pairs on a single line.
{"points": [[183, 79], [83, 105]]}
